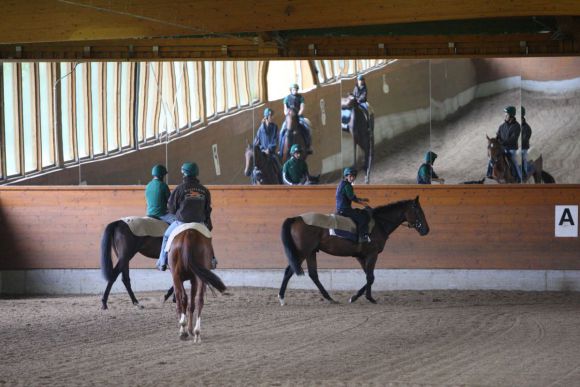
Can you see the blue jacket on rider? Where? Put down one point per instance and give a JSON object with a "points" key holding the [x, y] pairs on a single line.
{"points": [[267, 137]]}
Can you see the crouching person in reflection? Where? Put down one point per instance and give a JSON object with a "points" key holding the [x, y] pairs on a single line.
{"points": [[190, 202], [295, 170]]}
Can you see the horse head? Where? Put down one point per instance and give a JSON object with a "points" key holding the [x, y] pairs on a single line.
{"points": [[494, 148], [415, 217], [292, 119]]}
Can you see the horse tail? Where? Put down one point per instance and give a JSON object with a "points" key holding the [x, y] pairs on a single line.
{"points": [[205, 275], [547, 178], [106, 245], [290, 247]]}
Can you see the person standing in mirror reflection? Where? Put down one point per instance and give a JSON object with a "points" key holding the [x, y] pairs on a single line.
{"points": [[267, 137], [526, 135], [508, 135], [157, 194], [426, 174]]}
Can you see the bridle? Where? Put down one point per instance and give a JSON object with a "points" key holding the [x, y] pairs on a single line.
{"points": [[418, 224]]}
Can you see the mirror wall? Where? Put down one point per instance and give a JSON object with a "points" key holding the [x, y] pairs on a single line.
{"points": [[155, 116]]}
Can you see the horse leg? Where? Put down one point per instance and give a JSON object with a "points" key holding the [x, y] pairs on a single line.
{"points": [[181, 304], [361, 290], [199, 293], [105, 298], [168, 294], [313, 274], [191, 307], [288, 273], [127, 283], [370, 272]]}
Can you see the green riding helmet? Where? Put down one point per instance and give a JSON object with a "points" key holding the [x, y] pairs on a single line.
{"points": [[268, 111], [523, 111], [511, 110], [190, 169], [294, 86], [295, 148], [360, 78], [349, 171], [159, 171], [430, 157]]}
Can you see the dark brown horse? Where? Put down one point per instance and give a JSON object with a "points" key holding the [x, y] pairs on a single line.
{"points": [[302, 242], [118, 236], [500, 163], [362, 131], [190, 259], [261, 168], [294, 135]]}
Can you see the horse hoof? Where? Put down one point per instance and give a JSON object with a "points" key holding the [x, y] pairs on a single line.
{"points": [[372, 300], [352, 299], [282, 302], [333, 301], [139, 306], [183, 336], [104, 307]]}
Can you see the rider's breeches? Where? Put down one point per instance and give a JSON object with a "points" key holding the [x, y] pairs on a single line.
{"points": [[360, 217], [163, 255]]}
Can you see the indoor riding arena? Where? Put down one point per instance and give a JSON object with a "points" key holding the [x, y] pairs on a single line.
{"points": [[255, 131]]}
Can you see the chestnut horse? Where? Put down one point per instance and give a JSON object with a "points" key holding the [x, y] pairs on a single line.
{"points": [[500, 163], [190, 259], [302, 242]]}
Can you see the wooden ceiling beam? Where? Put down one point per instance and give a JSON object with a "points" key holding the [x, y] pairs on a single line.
{"points": [[300, 47], [47, 21]]}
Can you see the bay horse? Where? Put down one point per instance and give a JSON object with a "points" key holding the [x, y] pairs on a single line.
{"points": [[190, 259], [261, 168], [500, 163], [294, 135], [118, 236], [302, 242], [362, 132]]}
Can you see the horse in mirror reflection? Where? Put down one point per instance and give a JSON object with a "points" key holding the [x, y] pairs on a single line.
{"points": [[260, 167], [361, 127], [501, 170]]}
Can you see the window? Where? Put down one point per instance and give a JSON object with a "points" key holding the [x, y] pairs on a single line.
{"points": [[66, 70], [11, 121], [45, 82], [81, 110], [29, 116], [97, 111]]}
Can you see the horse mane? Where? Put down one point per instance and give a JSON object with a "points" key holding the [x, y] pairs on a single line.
{"points": [[384, 210]]}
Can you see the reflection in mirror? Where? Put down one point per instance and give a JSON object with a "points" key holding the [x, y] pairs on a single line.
{"points": [[398, 96], [468, 97], [551, 99], [110, 122]]}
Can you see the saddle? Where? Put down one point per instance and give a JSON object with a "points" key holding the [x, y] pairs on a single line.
{"points": [[145, 226], [337, 225], [200, 227]]}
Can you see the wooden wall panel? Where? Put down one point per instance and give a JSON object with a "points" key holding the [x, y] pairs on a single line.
{"points": [[472, 227]]}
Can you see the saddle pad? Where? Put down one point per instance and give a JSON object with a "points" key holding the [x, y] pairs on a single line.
{"points": [[331, 221], [200, 227], [145, 226]]}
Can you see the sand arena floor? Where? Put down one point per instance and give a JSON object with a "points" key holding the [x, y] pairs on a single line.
{"points": [[410, 338]]}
